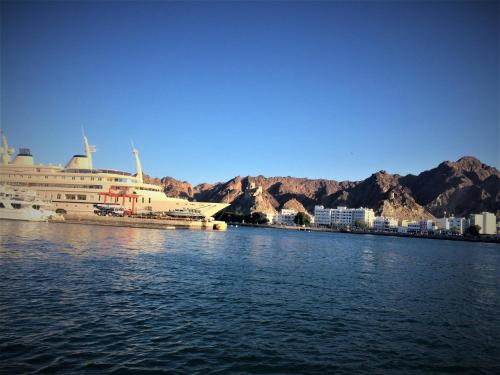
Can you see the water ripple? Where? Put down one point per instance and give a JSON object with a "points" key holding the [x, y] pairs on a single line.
{"points": [[88, 299]]}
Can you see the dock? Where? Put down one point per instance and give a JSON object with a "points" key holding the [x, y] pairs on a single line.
{"points": [[145, 222]]}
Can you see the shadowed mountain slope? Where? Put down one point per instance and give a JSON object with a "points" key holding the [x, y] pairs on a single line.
{"points": [[460, 188]]}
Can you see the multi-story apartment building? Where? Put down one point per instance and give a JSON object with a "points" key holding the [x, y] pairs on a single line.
{"points": [[452, 224], [427, 226], [285, 217], [343, 216], [322, 215], [413, 227], [421, 226], [363, 215], [486, 220], [382, 223]]}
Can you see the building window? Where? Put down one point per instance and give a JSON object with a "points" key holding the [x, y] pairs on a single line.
{"points": [[71, 197], [58, 196], [82, 197]]}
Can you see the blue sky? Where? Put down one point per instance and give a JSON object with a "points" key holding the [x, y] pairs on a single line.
{"points": [[210, 90]]}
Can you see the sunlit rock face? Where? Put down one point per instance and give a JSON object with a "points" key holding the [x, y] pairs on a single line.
{"points": [[460, 188]]}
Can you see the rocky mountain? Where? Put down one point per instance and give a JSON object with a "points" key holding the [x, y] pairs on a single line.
{"points": [[459, 188]]}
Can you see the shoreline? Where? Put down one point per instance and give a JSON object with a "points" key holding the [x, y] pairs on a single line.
{"points": [[389, 234], [141, 222]]}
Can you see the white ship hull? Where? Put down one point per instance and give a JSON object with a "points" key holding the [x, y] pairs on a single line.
{"points": [[26, 214]]}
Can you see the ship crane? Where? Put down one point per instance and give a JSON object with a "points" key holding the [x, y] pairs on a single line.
{"points": [[5, 151], [89, 150], [138, 165]]}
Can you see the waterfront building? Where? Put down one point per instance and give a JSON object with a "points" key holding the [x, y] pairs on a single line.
{"points": [[285, 217], [427, 226], [322, 215], [452, 224], [343, 216], [421, 226], [413, 227], [384, 224], [363, 215], [486, 220], [403, 229], [443, 224]]}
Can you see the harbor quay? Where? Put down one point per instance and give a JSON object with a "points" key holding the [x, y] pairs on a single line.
{"points": [[139, 221]]}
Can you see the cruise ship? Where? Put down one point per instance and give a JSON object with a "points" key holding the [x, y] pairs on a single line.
{"points": [[78, 187]]}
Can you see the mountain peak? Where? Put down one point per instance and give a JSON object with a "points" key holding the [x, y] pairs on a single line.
{"points": [[460, 187]]}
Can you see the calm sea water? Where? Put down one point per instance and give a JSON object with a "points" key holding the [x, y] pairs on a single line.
{"points": [[90, 299]]}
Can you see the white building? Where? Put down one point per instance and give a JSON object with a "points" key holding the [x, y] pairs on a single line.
{"points": [[285, 217], [363, 215], [422, 226], [486, 220], [322, 215], [452, 224], [384, 224], [413, 227], [427, 226], [342, 216], [443, 224], [403, 229]]}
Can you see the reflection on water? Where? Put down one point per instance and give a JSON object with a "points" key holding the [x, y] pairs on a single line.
{"points": [[95, 299]]}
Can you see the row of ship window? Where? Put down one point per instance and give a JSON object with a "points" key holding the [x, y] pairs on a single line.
{"points": [[34, 184], [74, 178], [91, 179], [83, 197]]}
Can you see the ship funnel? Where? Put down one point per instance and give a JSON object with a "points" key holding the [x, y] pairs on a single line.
{"points": [[89, 150], [24, 158], [5, 151], [138, 165]]}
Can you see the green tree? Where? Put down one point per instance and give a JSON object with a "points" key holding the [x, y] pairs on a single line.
{"points": [[232, 217], [474, 230], [361, 224], [302, 219], [259, 218]]}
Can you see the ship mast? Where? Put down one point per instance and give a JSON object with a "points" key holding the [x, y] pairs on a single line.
{"points": [[138, 165], [5, 151], [88, 151]]}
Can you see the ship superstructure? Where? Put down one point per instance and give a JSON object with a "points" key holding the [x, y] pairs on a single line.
{"points": [[77, 187]]}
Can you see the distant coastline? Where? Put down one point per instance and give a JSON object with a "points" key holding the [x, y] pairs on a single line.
{"points": [[485, 239]]}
